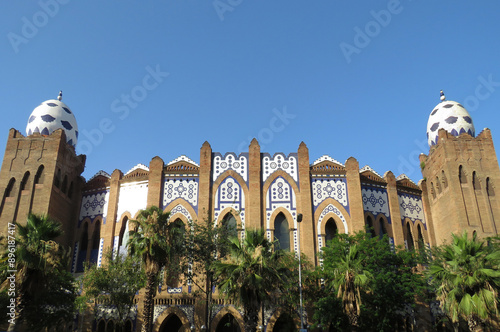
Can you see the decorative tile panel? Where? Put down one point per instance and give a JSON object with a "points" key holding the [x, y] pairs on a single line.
{"points": [[280, 162], [182, 210], [281, 194], [110, 312], [230, 161], [375, 200], [187, 309], [185, 188], [133, 197], [75, 257], [99, 257], [229, 194], [94, 205], [330, 208], [329, 188], [411, 207]]}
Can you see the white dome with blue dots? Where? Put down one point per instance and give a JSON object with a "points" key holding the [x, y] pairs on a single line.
{"points": [[52, 115], [450, 116]]}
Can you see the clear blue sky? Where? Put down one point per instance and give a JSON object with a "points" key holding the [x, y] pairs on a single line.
{"points": [[234, 64]]}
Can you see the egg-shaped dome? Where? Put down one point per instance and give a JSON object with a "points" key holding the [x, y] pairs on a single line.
{"points": [[52, 115], [452, 117]]}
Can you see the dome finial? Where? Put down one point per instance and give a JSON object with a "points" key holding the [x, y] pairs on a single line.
{"points": [[60, 95], [442, 96]]}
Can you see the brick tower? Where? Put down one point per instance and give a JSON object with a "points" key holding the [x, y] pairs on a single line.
{"points": [[41, 172], [460, 174]]}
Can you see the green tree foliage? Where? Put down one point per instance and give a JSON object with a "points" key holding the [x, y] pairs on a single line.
{"points": [[366, 282], [115, 283], [251, 274], [207, 243], [157, 243], [45, 291], [466, 278]]}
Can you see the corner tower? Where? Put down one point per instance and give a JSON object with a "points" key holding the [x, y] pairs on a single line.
{"points": [[41, 172], [460, 174]]}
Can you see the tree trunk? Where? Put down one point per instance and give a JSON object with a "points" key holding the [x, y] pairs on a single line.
{"points": [[147, 324]]}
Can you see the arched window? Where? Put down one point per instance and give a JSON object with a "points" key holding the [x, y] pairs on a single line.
{"points": [[461, 175], [9, 191], [70, 190], [123, 237], [110, 327], [369, 226], [489, 188], [39, 176], [229, 223], [409, 239], [475, 181], [438, 186], [433, 191], [96, 238], [382, 230], [57, 179], [444, 180], [229, 324], [330, 230], [282, 232], [24, 181], [64, 184], [82, 254], [101, 327], [421, 244], [128, 326]]}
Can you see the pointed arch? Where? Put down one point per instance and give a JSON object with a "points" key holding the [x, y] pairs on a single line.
{"points": [[282, 232], [170, 312], [408, 234], [173, 209], [229, 310], [40, 175], [277, 174], [25, 181], [382, 226], [57, 178], [83, 246], [339, 218], [370, 224]]}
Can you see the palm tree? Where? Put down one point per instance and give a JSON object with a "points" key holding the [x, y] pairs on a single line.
{"points": [[156, 242], [350, 280], [466, 276], [39, 260], [250, 275]]}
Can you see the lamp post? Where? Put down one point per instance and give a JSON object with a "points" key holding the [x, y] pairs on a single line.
{"points": [[299, 220]]}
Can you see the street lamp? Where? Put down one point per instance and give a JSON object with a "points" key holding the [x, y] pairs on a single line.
{"points": [[299, 220]]}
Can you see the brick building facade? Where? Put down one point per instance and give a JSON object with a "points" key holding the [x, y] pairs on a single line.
{"points": [[41, 173]]}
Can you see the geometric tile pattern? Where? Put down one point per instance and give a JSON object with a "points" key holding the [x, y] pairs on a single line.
{"points": [[330, 208], [411, 207], [94, 205], [375, 201], [325, 188], [75, 256], [182, 210], [186, 188], [279, 162], [99, 257], [230, 194], [133, 197], [230, 161], [281, 194]]}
